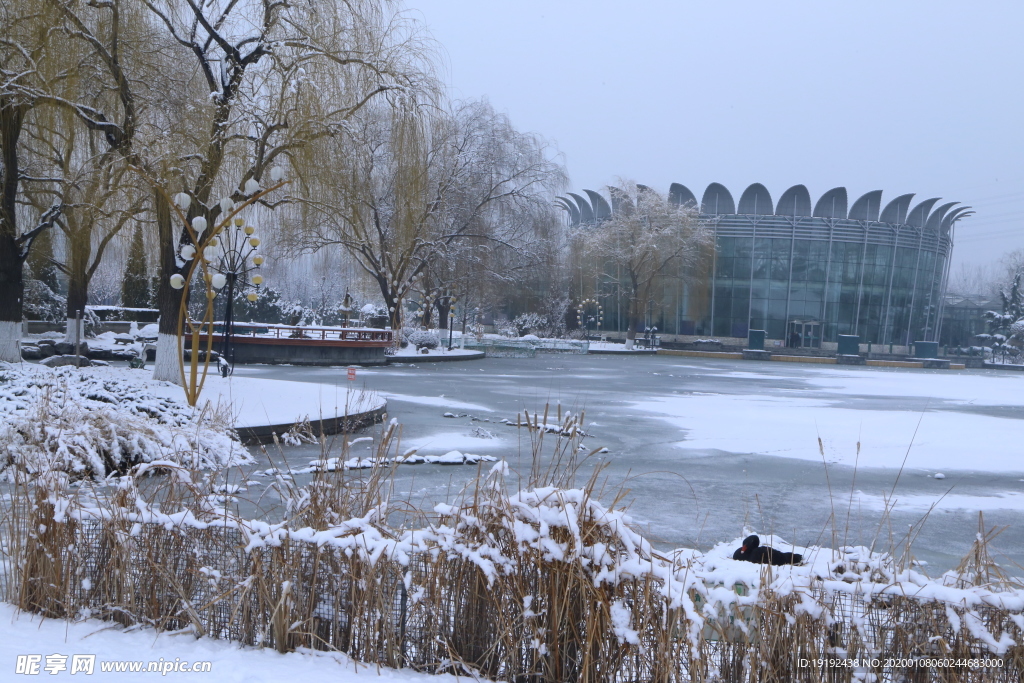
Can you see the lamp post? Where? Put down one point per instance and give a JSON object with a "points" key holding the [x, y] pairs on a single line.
{"points": [[235, 268], [451, 320], [585, 321], [197, 249]]}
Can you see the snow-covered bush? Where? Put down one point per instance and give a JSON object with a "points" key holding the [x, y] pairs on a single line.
{"points": [[531, 323], [505, 327], [1017, 331], [374, 315], [524, 324], [42, 303], [94, 422], [423, 339]]}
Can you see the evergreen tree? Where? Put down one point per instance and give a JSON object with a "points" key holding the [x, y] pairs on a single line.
{"points": [[135, 287], [40, 260]]}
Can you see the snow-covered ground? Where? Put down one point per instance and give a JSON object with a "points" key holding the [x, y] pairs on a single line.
{"points": [[616, 347], [91, 421], [255, 402], [410, 351], [27, 634], [251, 401]]}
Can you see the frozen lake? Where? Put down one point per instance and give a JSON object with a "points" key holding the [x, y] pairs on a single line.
{"points": [[710, 447]]}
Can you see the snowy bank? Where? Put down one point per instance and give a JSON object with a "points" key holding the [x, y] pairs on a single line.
{"points": [[23, 634], [91, 422], [256, 402]]}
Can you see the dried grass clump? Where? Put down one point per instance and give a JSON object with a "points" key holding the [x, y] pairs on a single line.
{"points": [[544, 582]]}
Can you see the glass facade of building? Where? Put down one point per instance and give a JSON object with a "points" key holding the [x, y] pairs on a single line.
{"points": [[808, 275], [875, 280]]}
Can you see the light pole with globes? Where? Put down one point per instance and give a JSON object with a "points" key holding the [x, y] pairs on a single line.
{"points": [[451, 320], [236, 268], [198, 249], [584, 320]]}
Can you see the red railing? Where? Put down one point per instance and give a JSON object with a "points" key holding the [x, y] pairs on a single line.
{"points": [[251, 330]]}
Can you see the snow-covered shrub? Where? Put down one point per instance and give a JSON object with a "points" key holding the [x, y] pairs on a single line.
{"points": [[1017, 331], [42, 303], [268, 308], [530, 323], [423, 339], [93, 422], [374, 315], [294, 314], [505, 327]]}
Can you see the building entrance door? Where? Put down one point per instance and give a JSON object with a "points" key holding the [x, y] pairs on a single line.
{"points": [[804, 334]]}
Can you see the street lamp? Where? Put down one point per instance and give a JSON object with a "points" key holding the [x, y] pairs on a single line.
{"points": [[197, 248], [584, 321], [236, 269], [451, 320]]}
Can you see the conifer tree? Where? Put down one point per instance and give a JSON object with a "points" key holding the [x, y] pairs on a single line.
{"points": [[135, 287]]}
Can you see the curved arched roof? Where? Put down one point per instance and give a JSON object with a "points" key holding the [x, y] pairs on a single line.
{"points": [[832, 204], [866, 207], [680, 195], [896, 210], [586, 213], [574, 212], [796, 201], [601, 208], [756, 201], [953, 216], [717, 200], [935, 219], [918, 216]]}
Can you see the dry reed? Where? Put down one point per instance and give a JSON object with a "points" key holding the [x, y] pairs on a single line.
{"points": [[545, 583]]}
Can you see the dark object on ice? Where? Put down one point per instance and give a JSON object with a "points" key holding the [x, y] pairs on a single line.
{"points": [[753, 552]]}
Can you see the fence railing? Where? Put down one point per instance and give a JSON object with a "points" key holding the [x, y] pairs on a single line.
{"points": [[251, 330]]}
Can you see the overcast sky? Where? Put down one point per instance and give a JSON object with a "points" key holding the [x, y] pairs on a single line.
{"points": [[922, 97]]}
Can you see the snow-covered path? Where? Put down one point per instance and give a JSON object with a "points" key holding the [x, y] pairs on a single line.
{"points": [[26, 634]]}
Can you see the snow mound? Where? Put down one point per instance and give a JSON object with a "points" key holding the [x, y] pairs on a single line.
{"points": [[92, 422]]}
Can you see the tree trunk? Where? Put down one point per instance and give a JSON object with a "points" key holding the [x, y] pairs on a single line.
{"points": [[12, 286], [427, 316], [78, 289], [168, 347], [443, 311], [634, 317], [393, 305], [12, 290]]}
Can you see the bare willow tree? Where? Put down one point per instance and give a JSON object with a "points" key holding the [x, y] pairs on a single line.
{"points": [[266, 71], [417, 194], [647, 239], [72, 167], [204, 97], [29, 55]]}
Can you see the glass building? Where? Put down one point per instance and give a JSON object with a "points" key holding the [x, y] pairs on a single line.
{"points": [[803, 272]]}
